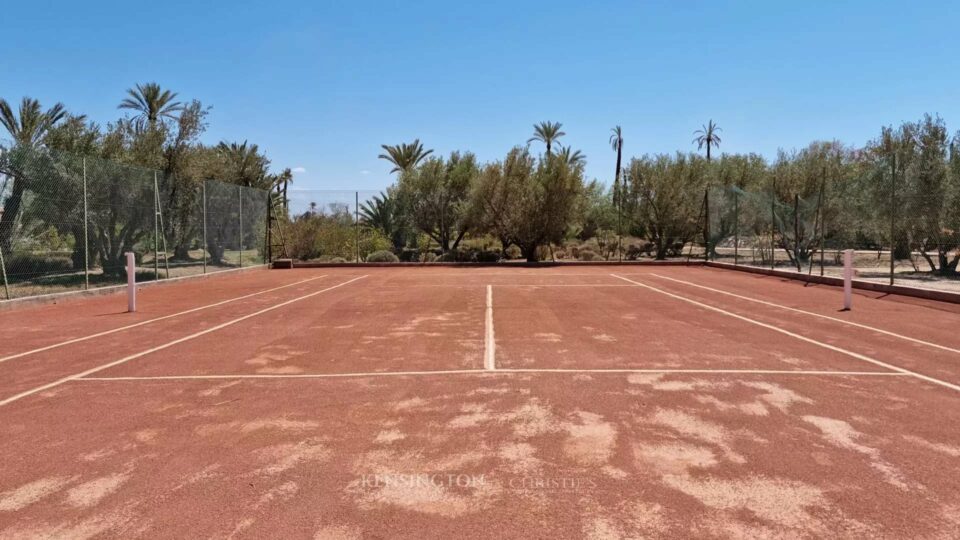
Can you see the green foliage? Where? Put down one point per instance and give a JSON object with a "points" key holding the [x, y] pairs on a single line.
{"points": [[513, 253], [526, 201], [434, 197], [547, 133], [588, 255], [382, 256], [404, 157], [709, 136], [667, 193], [384, 213]]}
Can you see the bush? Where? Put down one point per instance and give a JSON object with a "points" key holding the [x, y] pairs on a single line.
{"points": [[453, 255], [513, 252], [338, 260], [382, 256], [410, 255], [429, 257], [31, 265], [588, 255], [488, 256], [634, 251]]}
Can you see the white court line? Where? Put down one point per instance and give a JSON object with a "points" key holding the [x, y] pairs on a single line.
{"points": [[466, 285], [812, 314], [142, 323], [490, 344], [834, 348], [170, 344], [501, 371]]}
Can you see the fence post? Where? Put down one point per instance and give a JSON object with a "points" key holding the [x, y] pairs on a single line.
{"points": [[240, 196], [893, 214], [3, 270], [818, 225], [86, 233], [203, 188], [736, 228], [356, 218], [156, 228], [267, 251], [773, 225], [796, 230], [706, 223]]}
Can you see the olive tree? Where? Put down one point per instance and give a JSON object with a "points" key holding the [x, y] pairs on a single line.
{"points": [[527, 201]]}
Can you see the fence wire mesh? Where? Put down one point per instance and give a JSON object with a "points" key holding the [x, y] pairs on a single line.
{"points": [[900, 231], [66, 222]]}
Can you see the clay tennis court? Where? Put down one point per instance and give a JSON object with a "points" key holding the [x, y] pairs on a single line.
{"points": [[597, 402]]}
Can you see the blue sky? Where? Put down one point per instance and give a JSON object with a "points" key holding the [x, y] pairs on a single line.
{"points": [[320, 85]]}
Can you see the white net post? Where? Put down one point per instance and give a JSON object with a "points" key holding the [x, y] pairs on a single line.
{"points": [[847, 279], [131, 282]]}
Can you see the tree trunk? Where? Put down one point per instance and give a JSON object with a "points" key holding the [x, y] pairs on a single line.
{"points": [[529, 252]]}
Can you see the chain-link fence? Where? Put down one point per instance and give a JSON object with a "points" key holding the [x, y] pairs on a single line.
{"points": [[900, 233], [68, 220]]}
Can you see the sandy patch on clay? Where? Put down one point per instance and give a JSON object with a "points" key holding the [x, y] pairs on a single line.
{"points": [[338, 532], [520, 457], [281, 424], [675, 458], [784, 502], [389, 436], [548, 337], [753, 408], [842, 434], [281, 493], [90, 493], [952, 451], [590, 440], [692, 426], [532, 419], [27, 494], [778, 396], [283, 457], [655, 381], [216, 390]]}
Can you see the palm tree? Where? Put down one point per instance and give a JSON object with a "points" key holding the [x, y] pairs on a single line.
{"points": [[244, 164], [403, 156], [27, 129], [547, 133], [616, 142], [570, 157], [152, 102], [707, 137], [33, 123]]}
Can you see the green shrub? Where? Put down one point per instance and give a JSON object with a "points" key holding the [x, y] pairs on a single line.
{"points": [[513, 252], [382, 256], [410, 255], [588, 255], [429, 257], [338, 260], [488, 256], [31, 265]]}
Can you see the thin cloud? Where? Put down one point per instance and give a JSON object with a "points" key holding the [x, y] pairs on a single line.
{"points": [[298, 170], [364, 172]]}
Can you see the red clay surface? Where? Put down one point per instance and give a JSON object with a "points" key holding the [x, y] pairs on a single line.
{"points": [[359, 406]]}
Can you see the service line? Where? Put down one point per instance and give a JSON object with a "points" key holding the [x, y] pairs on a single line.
{"points": [[812, 314], [169, 344], [151, 321], [827, 346], [501, 371]]}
